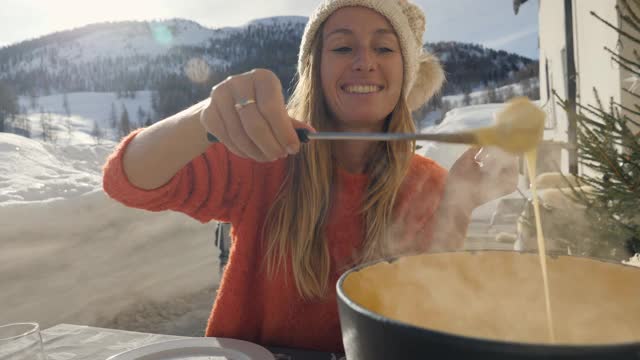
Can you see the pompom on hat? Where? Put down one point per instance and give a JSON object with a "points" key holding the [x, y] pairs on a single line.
{"points": [[423, 75]]}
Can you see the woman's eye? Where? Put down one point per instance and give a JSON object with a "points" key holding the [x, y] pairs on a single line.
{"points": [[384, 50], [343, 49]]}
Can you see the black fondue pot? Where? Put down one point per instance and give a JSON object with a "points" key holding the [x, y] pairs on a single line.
{"points": [[370, 335]]}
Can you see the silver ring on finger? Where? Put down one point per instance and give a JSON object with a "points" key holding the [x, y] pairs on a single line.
{"points": [[243, 103]]}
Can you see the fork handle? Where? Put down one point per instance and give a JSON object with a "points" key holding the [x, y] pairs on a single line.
{"points": [[303, 136]]}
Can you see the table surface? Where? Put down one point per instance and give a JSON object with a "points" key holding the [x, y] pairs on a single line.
{"points": [[79, 342]]}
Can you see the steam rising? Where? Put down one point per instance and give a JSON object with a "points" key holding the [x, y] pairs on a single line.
{"points": [[416, 211], [490, 295]]}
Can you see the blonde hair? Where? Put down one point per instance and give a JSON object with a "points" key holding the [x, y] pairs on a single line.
{"points": [[295, 224]]}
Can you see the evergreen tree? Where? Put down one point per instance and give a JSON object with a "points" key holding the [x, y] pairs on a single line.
{"points": [[176, 93], [609, 149]]}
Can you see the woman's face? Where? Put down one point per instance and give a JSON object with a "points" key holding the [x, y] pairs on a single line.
{"points": [[361, 68]]}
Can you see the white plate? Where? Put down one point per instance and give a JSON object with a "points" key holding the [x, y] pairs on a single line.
{"points": [[198, 349]]}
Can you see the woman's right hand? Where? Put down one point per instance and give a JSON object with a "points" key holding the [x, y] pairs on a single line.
{"points": [[263, 130]]}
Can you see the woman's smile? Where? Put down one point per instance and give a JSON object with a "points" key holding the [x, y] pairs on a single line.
{"points": [[362, 89]]}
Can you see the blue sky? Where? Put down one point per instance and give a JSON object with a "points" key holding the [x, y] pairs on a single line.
{"points": [[488, 22]]}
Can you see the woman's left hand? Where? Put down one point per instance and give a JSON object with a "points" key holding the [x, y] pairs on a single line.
{"points": [[481, 175], [477, 177]]}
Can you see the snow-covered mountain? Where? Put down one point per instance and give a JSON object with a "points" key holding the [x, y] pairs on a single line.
{"points": [[134, 55], [138, 55]]}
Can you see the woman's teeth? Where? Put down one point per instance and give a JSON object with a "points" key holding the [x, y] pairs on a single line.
{"points": [[362, 89]]}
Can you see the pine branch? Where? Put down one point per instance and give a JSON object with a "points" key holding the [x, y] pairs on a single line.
{"points": [[630, 110], [628, 21], [629, 10], [624, 66], [619, 31], [607, 117], [620, 57], [601, 154], [587, 120], [636, 55], [634, 122], [629, 15], [605, 159], [631, 93]]}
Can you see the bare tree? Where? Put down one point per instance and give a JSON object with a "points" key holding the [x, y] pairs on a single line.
{"points": [[9, 105], [531, 88], [444, 108], [43, 124], [492, 95], [466, 100], [508, 93], [113, 117], [26, 127], [97, 132], [142, 115], [69, 127], [46, 126], [33, 100], [125, 125], [65, 105], [21, 125]]}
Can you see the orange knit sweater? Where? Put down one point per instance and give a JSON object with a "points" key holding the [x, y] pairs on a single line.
{"points": [[249, 305]]}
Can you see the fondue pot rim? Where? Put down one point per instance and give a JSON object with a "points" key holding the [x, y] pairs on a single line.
{"points": [[471, 340]]}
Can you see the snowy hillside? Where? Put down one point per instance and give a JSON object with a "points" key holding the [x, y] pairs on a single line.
{"points": [[125, 39], [140, 55], [69, 252], [32, 170], [85, 108], [136, 55], [135, 39]]}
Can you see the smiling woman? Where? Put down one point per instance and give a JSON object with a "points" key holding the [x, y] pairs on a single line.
{"points": [[304, 214], [361, 75]]}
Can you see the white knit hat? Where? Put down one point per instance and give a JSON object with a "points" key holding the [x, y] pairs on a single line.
{"points": [[422, 71]]}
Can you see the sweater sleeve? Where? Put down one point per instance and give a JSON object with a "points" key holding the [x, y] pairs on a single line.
{"points": [[202, 189]]}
